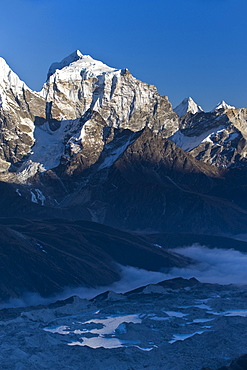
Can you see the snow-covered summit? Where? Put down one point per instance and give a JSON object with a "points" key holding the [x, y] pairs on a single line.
{"points": [[77, 66], [223, 105], [9, 79], [76, 55], [80, 83], [187, 106], [12, 87]]}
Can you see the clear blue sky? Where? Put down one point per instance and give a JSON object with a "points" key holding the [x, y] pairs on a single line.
{"points": [[186, 48]]}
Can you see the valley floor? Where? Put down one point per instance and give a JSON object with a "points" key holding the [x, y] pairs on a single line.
{"points": [[174, 325]]}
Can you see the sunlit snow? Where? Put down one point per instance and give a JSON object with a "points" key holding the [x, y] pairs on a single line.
{"points": [[187, 106], [188, 143]]}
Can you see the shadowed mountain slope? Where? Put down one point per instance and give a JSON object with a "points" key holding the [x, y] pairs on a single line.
{"points": [[47, 256]]}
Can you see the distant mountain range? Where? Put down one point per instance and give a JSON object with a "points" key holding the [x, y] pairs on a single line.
{"points": [[98, 144]]}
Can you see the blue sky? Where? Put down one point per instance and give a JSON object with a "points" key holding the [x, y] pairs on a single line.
{"points": [[186, 48]]}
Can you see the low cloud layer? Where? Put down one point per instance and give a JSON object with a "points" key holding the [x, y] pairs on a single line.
{"points": [[212, 266], [222, 266]]}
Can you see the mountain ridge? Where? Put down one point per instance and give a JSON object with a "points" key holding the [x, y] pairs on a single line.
{"points": [[93, 130]]}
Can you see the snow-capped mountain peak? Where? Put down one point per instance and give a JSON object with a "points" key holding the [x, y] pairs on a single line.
{"points": [[223, 105], [76, 66], [76, 55], [79, 83], [9, 79], [11, 86], [188, 105]]}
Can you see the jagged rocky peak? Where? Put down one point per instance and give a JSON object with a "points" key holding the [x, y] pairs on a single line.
{"points": [[223, 105], [15, 95], [19, 106], [9, 80], [188, 105], [79, 83]]}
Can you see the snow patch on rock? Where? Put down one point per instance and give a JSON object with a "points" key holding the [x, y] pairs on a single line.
{"points": [[187, 143]]}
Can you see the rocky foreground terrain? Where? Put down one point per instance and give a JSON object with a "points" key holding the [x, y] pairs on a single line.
{"points": [[174, 325]]}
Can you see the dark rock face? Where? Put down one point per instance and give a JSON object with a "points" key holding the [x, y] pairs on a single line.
{"points": [[238, 364]]}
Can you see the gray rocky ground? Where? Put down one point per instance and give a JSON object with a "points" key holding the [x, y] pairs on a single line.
{"points": [[174, 325]]}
